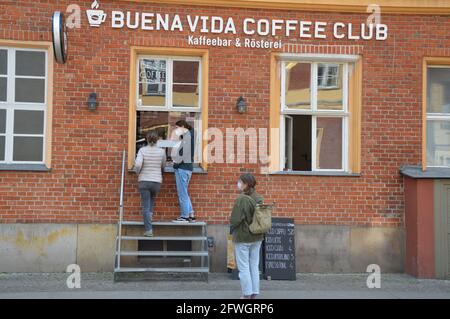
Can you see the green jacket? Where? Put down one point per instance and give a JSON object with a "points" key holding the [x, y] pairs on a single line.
{"points": [[242, 216]]}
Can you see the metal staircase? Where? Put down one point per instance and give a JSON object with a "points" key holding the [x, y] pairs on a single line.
{"points": [[177, 251]]}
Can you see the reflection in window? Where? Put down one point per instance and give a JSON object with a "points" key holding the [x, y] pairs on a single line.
{"points": [[2, 121], [185, 90], [329, 143], [329, 87], [438, 143], [3, 88], [2, 148], [185, 72], [328, 76], [28, 122], [298, 85], [438, 90], [152, 82], [185, 95], [438, 116], [30, 90], [3, 62], [169, 83], [30, 63], [28, 149]]}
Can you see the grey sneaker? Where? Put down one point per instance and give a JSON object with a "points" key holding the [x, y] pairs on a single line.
{"points": [[148, 233], [181, 220]]}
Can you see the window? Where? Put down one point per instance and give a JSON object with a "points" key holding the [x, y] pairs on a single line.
{"points": [[438, 116], [169, 84], [168, 89], [23, 105], [314, 116]]}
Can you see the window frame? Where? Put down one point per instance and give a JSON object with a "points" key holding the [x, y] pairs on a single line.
{"points": [[433, 116], [179, 53], [10, 105], [314, 112], [169, 84]]}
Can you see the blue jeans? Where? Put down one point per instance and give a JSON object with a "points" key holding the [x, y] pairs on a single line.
{"points": [[148, 192], [182, 179], [247, 260]]}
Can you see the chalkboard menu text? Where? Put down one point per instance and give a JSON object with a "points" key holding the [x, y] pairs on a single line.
{"points": [[279, 250]]}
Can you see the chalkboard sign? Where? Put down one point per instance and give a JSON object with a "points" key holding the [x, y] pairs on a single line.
{"points": [[279, 250]]}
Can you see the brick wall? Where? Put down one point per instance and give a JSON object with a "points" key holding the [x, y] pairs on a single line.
{"points": [[83, 185]]}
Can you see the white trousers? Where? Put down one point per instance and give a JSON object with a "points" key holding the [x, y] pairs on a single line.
{"points": [[247, 260]]}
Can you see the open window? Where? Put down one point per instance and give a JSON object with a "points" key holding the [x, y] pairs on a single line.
{"points": [[167, 88], [314, 116]]}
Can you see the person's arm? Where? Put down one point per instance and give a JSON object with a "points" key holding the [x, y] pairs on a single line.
{"points": [[164, 160], [240, 210], [138, 162], [192, 146], [236, 215]]}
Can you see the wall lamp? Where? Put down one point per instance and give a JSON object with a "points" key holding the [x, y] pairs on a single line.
{"points": [[241, 105], [92, 102]]}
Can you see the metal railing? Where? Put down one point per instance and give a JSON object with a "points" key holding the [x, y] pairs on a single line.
{"points": [[119, 226]]}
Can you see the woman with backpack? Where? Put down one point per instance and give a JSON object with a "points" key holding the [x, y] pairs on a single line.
{"points": [[247, 244]]}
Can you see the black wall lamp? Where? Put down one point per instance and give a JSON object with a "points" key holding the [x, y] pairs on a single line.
{"points": [[241, 105], [92, 102]]}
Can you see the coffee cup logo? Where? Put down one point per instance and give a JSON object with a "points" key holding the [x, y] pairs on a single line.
{"points": [[96, 17]]}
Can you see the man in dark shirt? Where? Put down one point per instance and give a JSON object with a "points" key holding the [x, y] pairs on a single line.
{"points": [[184, 165]]}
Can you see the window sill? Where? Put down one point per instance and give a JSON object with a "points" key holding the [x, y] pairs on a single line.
{"points": [[197, 170], [169, 169], [25, 167], [305, 173]]}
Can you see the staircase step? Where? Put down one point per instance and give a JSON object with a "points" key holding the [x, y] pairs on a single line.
{"points": [[137, 223], [170, 269], [165, 253], [185, 238]]}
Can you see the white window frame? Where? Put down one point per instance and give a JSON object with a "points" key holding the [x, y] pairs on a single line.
{"points": [[314, 112], [436, 116], [169, 84], [11, 105]]}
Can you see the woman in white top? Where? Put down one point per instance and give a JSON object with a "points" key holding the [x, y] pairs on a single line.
{"points": [[149, 164]]}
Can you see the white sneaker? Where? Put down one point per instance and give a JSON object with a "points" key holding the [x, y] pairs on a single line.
{"points": [[148, 233]]}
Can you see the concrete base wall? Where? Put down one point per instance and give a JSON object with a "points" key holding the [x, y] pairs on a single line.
{"points": [[52, 247], [332, 249], [319, 249]]}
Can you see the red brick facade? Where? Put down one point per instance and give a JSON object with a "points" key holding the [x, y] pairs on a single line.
{"points": [[83, 184]]}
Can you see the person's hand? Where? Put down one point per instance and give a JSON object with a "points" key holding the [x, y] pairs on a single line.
{"points": [[173, 135]]}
